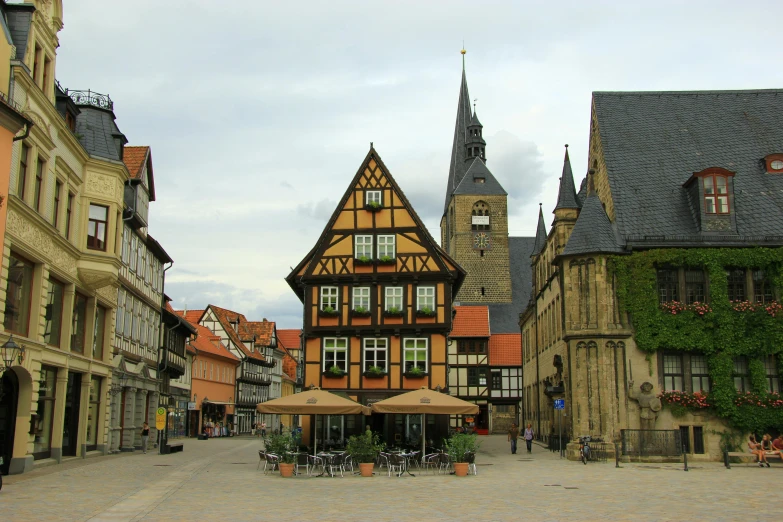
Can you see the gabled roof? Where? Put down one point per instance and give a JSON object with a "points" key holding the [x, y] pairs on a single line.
{"points": [[654, 141], [566, 197], [457, 168], [135, 158], [290, 338], [193, 316], [470, 321], [505, 350], [262, 331], [226, 317], [592, 233], [540, 241], [440, 257], [489, 187], [209, 343]]}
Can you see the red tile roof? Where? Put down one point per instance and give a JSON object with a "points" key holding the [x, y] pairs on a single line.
{"points": [[207, 342], [471, 321], [226, 317], [289, 338], [193, 316], [505, 350], [134, 158], [262, 330]]}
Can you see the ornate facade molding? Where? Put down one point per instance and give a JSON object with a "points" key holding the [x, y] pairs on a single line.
{"points": [[40, 242]]}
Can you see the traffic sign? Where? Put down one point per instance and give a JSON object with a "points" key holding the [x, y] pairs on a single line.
{"points": [[160, 418], [559, 404]]}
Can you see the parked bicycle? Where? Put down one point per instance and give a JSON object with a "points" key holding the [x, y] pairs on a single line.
{"points": [[584, 449]]}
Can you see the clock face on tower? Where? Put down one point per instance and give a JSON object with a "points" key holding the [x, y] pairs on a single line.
{"points": [[481, 241]]}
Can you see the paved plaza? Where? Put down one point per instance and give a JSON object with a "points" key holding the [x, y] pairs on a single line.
{"points": [[218, 480]]}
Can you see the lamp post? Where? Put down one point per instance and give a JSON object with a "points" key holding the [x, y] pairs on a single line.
{"points": [[116, 387], [11, 352]]}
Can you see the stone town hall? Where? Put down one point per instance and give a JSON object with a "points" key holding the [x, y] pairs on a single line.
{"points": [[663, 268]]}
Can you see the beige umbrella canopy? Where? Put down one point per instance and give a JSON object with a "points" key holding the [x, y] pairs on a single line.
{"points": [[313, 402], [425, 401]]}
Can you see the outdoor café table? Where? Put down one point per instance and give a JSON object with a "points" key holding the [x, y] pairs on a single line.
{"points": [[406, 458], [326, 459]]}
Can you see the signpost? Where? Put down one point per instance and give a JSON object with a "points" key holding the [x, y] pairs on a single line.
{"points": [[160, 425], [560, 406]]}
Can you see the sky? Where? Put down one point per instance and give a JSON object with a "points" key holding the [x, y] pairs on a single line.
{"points": [[259, 113]]}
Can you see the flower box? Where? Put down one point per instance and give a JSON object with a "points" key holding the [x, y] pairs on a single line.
{"points": [[328, 312], [415, 373], [373, 206], [335, 373], [361, 312], [386, 260], [363, 261], [370, 374], [393, 312], [426, 313]]}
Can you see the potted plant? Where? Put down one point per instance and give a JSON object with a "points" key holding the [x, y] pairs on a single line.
{"points": [[393, 311], [364, 449], [415, 371], [386, 260], [425, 311], [328, 311], [335, 371], [375, 372], [362, 260], [281, 445], [458, 446], [361, 311], [373, 206]]}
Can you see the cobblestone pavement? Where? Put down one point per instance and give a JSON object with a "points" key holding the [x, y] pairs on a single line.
{"points": [[218, 480]]}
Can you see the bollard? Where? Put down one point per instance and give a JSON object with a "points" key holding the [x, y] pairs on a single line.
{"points": [[616, 457], [685, 458]]}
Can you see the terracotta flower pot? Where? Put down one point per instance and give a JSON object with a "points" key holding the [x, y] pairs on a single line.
{"points": [[366, 468], [461, 469], [286, 470]]}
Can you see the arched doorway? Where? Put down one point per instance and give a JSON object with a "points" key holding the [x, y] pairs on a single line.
{"points": [[9, 395]]}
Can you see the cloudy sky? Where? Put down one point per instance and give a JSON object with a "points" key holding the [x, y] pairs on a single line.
{"points": [[259, 113]]}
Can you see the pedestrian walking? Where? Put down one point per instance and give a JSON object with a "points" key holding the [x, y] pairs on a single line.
{"points": [[263, 430], [145, 436], [528, 435], [513, 435]]}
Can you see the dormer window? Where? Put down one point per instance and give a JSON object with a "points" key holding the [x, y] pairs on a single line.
{"points": [[716, 195], [479, 180], [774, 163]]}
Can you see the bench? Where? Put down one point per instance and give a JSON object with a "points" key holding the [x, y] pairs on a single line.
{"points": [[742, 454], [173, 447]]}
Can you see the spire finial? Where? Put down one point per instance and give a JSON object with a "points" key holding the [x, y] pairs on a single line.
{"points": [[462, 52]]}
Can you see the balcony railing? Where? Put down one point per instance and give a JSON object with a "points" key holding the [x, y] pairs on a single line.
{"points": [[258, 378], [174, 364], [88, 97]]}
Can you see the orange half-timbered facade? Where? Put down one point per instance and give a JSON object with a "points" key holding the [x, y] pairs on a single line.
{"points": [[377, 293]]}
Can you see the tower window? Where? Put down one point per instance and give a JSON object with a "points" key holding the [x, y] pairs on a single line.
{"points": [[482, 288]]}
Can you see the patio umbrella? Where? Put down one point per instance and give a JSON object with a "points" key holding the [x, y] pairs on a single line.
{"points": [[425, 401], [313, 402]]}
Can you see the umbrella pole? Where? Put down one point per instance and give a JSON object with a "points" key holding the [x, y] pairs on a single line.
{"points": [[423, 434], [315, 435]]}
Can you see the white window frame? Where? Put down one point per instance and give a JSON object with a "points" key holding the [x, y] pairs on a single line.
{"points": [[330, 296], [373, 196], [425, 297], [372, 346], [387, 246], [331, 344], [413, 344], [361, 297], [362, 246], [393, 297]]}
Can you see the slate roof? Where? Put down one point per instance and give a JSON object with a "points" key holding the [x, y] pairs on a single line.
{"points": [[654, 141], [20, 17], [98, 131], [593, 232], [474, 120], [468, 185], [582, 194], [566, 197], [457, 168], [470, 321], [505, 349], [504, 317], [540, 241]]}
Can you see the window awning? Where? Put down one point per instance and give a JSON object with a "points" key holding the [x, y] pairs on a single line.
{"points": [[219, 402]]}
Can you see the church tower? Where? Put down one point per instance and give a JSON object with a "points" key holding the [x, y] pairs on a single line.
{"points": [[474, 226]]}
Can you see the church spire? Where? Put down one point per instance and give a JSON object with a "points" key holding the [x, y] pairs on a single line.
{"points": [[458, 165], [566, 197], [540, 243]]}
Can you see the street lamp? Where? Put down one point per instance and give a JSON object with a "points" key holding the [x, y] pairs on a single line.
{"points": [[116, 387], [11, 352]]}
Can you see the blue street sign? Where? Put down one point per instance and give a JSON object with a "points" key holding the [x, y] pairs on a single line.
{"points": [[559, 404]]}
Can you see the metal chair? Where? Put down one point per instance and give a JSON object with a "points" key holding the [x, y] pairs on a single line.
{"points": [[444, 462], [302, 460], [413, 457], [337, 462], [430, 462], [470, 458], [261, 458], [272, 460], [315, 461], [396, 464]]}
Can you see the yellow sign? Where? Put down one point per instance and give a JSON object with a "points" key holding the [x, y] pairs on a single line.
{"points": [[160, 418]]}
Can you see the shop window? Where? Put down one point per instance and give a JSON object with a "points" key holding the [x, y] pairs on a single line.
{"points": [[672, 372], [18, 295], [44, 415], [667, 285], [92, 414], [96, 227], [78, 332], [736, 284], [741, 376], [53, 315]]}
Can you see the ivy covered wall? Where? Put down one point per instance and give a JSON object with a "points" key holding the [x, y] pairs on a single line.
{"points": [[721, 331]]}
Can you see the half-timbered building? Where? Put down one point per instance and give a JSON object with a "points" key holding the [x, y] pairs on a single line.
{"points": [[377, 293]]}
